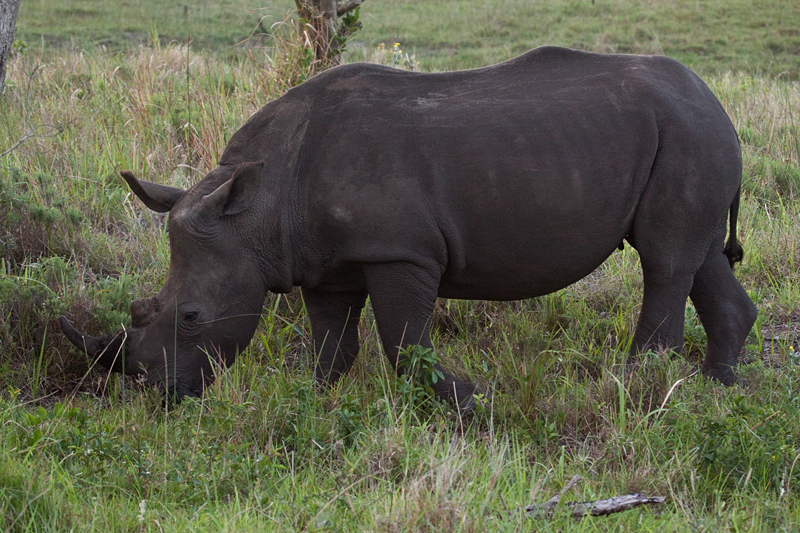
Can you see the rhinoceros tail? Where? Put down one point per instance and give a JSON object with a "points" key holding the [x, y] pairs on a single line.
{"points": [[733, 248]]}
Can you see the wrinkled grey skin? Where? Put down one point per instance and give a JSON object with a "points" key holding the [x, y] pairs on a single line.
{"points": [[500, 183]]}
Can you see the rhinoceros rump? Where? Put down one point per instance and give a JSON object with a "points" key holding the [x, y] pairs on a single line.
{"points": [[499, 183]]}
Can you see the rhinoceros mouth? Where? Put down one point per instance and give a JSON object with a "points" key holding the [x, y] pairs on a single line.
{"points": [[177, 393], [110, 353]]}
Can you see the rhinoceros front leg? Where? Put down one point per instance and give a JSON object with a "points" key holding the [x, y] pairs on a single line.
{"points": [[403, 296], [334, 328], [726, 312]]}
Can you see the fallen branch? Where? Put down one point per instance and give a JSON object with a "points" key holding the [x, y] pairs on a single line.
{"points": [[615, 504]]}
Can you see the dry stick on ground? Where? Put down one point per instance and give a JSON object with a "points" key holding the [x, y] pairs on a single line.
{"points": [[596, 508]]}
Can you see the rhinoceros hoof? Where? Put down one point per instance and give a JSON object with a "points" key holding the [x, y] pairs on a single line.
{"points": [[722, 373]]}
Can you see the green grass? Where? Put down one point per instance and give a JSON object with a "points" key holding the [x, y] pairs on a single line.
{"points": [[117, 25], [263, 449], [709, 35], [756, 36]]}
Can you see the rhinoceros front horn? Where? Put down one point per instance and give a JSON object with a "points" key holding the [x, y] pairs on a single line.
{"points": [[107, 351], [85, 343]]}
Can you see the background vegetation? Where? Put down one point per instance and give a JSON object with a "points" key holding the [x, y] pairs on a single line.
{"points": [[756, 36], [97, 86]]}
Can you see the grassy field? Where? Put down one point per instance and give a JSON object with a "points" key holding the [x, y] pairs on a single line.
{"points": [[103, 86], [756, 36]]}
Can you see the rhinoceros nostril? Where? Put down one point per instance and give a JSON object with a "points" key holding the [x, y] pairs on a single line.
{"points": [[141, 312]]}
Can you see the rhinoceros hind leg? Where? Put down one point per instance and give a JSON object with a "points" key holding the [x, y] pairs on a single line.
{"points": [[334, 327], [726, 312], [403, 296], [660, 325]]}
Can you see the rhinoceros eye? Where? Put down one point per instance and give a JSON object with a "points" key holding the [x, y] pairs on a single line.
{"points": [[191, 316]]}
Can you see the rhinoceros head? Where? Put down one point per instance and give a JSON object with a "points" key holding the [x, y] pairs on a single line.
{"points": [[210, 305]]}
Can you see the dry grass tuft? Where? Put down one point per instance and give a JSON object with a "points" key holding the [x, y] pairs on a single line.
{"points": [[430, 500]]}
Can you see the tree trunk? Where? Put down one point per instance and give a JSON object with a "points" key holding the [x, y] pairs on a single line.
{"points": [[320, 28], [8, 19]]}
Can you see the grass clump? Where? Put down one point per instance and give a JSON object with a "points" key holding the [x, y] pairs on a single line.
{"points": [[25, 505]]}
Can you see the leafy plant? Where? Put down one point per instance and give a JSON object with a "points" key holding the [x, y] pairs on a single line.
{"points": [[420, 374], [748, 445], [349, 26], [351, 418]]}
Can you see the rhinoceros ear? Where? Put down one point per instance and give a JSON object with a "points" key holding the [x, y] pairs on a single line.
{"points": [[159, 198], [236, 194]]}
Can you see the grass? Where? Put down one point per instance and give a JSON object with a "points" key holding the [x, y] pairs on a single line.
{"points": [[117, 25], [263, 450], [709, 35], [760, 37]]}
